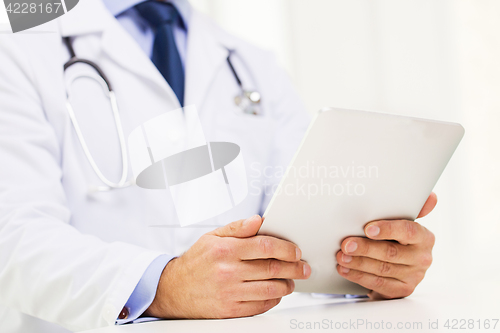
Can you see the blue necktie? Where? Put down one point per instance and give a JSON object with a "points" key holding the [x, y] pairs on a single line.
{"points": [[163, 17]]}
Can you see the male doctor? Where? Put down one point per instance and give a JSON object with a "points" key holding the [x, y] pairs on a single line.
{"points": [[74, 259]]}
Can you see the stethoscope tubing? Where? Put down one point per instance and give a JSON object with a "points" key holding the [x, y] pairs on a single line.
{"points": [[116, 114], [117, 119], [235, 74]]}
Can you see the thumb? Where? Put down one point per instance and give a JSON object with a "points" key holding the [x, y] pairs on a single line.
{"points": [[240, 228], [429, 205]]}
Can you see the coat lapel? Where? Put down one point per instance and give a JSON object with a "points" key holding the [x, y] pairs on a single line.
{"points": [[121, 47], [77, 21], [205, 57]]}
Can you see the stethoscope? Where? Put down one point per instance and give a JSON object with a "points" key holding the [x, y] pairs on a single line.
{"points": [[106, 85], [247, 101]]}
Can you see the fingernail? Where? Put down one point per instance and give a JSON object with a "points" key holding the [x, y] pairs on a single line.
{"points": [[250, 219], [344, 270], [346, 258], [298, 253], [307, 269], [372, 231], [351, 246]]}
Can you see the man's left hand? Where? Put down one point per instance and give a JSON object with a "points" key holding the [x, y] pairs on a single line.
{"points": [[393, 259]]}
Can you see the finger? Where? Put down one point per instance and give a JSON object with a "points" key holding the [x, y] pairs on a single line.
{"points": [[240, 228], [380, 250], [376, 296], [264, 269], [403, 231], [388, 287], [268, 247], [428, 205], [252, 308], [267, 289], [376, 267]]}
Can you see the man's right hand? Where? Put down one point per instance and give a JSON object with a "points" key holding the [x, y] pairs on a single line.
{"points": [[229, 272]]}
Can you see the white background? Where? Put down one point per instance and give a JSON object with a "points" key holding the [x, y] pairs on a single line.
{"points": [[438, 59], [3, 14]]}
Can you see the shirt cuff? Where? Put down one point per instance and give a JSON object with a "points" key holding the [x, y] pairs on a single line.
{"points": [[145, 291]]}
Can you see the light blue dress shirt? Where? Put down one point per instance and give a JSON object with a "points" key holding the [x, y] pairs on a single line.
{"points": [[145, 291]]}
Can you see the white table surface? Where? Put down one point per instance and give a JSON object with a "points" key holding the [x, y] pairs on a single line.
{"points": [[470, 301]]}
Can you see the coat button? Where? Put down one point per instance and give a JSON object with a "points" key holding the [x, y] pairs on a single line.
{"points": [[124, 313]]}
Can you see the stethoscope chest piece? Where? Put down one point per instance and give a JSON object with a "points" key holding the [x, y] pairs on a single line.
{"points": [[248, 102]]}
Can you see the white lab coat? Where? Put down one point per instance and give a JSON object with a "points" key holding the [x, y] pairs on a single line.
{"points": [[73, 259]]}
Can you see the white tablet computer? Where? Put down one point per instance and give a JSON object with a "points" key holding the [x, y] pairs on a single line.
{"points": [[351, 168]]}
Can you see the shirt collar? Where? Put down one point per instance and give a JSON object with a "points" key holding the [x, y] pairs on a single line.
{"points": [[117, 7]]}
